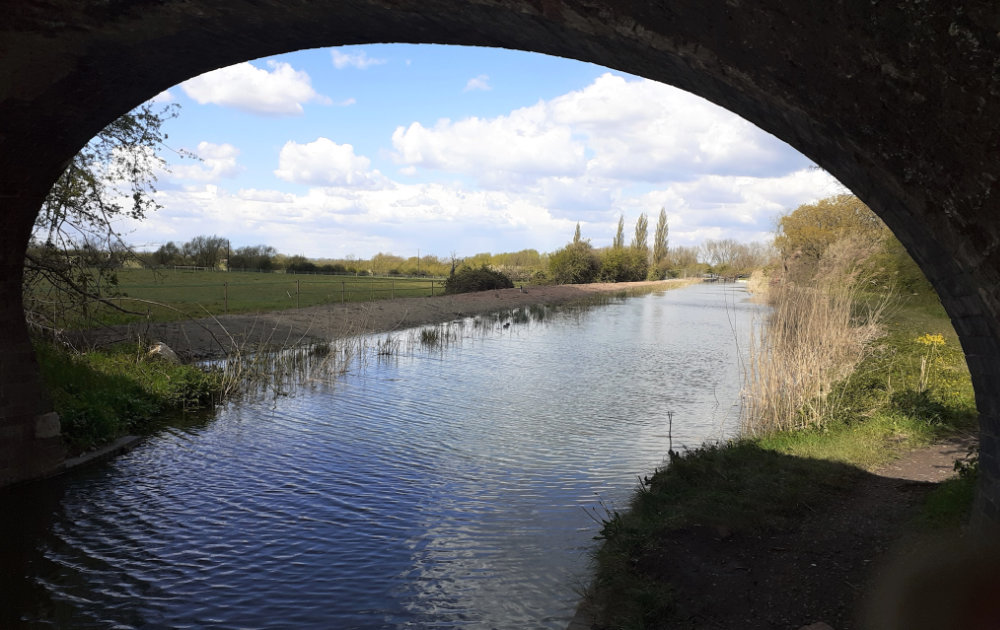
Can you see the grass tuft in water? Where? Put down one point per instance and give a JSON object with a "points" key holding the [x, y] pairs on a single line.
{"points": [[430, 337]]}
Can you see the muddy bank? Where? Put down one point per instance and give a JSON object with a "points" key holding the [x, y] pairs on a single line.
{"points": [[215, 336]]}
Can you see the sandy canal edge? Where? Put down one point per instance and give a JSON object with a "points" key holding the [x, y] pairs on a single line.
{"points": [[213, 337]]}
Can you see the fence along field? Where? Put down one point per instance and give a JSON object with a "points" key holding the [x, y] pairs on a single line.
{"points": [[184, 294]]}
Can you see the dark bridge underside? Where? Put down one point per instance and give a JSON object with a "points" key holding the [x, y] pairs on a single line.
{"points": [[898, 100]]}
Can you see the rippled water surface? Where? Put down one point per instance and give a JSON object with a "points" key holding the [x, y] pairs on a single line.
{"points": [[448, 486]]}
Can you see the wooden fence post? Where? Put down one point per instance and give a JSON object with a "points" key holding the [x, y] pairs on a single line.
{"points": [[343, 291], [432, 288], [392, 288]]}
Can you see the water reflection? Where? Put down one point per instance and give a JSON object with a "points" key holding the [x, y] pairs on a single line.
{"points": [[444, 484]]}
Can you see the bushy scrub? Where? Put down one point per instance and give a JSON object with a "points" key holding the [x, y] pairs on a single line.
{"points": [[102, 395], [623, 265], [468, 280], [577, 263]]}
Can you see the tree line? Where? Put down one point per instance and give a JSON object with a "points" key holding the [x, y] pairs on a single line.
{"points": [[803, 237], [579, 262]]}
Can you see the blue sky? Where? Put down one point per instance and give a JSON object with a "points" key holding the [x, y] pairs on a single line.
{"points": [[393, 148]]}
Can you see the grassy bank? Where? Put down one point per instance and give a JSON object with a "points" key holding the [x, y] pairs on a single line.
{"points": [[909, 388], [103, 395], [173, 295]]}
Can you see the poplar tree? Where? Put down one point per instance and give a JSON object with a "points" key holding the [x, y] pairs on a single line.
{"points": [[619, 241], [660, 238], [639, 241]]}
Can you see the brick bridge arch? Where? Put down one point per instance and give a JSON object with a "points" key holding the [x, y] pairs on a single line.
{"points": [[898, 100]]}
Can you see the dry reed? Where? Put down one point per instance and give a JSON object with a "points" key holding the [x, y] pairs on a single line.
{"points": [[815, 335], [758, 283]]}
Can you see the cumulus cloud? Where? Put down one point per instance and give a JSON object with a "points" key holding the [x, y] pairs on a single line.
{"points": [[217, 161], [269, 196], [481, 83], [640, 130], [580, 198], [323, 162], [359, 60], [519, 147], [278, 90], [629, 130], [334, 221], [740, 207]]}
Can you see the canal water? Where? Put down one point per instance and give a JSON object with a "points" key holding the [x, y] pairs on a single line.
{"points": [[448, 483]]}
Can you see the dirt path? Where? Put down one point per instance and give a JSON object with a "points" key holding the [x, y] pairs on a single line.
{"points": [[212, 337], [820, 572]]}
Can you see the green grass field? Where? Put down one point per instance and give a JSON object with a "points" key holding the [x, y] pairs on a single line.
{"points": [[177, 294]]}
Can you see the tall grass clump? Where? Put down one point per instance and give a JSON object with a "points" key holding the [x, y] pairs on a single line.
{"points": [[817, 332], [102, 395], [430, 336]]}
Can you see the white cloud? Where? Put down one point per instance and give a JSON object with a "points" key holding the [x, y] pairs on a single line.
{"points": [[517, 148], [629, 130], [581, 198], [740, 207], [336, 221], [323, 162], [217, 161], [270, 196], [279, 90], [359, 60], [481, 82], [163, 97], [646, 131]]}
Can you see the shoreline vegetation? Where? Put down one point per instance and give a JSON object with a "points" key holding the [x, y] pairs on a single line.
{"points": [[907, 389], [856, 366], [104, 385]]}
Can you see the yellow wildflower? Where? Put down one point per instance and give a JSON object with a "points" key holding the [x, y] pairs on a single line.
{"points": [[931, 340]]}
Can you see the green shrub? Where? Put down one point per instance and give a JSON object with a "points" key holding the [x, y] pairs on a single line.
{"points": [[577, 263], [623, 265], [468, 280]]}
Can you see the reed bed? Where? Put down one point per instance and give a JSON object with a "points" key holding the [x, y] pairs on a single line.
{"points": [[816, 334]]}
